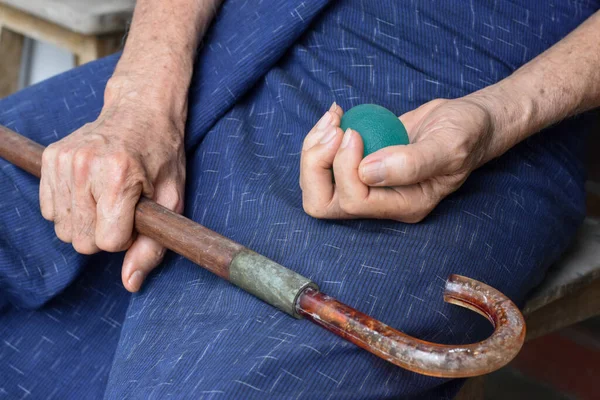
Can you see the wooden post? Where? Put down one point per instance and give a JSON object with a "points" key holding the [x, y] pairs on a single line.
{"points": [[95, 47], [473, 389], [566, 311], [11, 49], [86, 48]]}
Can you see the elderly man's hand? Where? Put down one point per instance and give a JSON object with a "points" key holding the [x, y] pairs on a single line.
{"points": [[93, 179], [449, 139]]}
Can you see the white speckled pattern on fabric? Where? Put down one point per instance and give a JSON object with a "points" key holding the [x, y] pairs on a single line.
{"points": [[266, 73]]}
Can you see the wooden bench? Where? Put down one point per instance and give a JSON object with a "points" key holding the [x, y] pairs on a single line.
{"points": [[569, 294], [90, 29]]}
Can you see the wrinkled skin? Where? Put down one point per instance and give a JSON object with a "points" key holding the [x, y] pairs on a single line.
{"points": [[93, 178], [448, 140]]}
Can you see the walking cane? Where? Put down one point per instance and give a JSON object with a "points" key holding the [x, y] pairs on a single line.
{"points": [[300, 297]]}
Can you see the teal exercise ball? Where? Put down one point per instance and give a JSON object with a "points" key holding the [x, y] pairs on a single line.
{"points": [[378, 127]]}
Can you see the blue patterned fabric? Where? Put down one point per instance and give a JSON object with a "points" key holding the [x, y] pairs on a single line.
{"points": [[267, 71]]}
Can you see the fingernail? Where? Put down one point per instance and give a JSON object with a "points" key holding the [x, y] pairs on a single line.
{"points": [[333, 107], [328, 137], [324, 122], [135, 280], [346, 140], [373, 172]]}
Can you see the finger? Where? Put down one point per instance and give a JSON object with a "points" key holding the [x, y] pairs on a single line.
{"points": [[351, 192], [330, 118], [120, 192], [409, 204], [142, 257], [62, 195], [320, 132], [335, 108], [83, 206], [145, 254], [114, 220], [316, 179], [405, 165], [46, 197]]}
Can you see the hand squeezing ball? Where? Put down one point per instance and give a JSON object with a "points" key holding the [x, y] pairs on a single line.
{"points": [[378, 127]]}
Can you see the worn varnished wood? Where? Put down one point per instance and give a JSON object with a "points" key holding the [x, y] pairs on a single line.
{"points": [[11, 51], [20, 151], [571, 291], [577, 268], [568, 310], [193, 241]]}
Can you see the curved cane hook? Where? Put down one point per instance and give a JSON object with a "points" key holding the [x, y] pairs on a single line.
{"points": [[447, 361]]}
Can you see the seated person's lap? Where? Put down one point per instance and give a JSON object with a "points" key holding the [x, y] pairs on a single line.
{"points": [[189, 332]]}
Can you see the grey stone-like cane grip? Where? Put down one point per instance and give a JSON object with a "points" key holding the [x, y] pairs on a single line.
{"points": [[269, 281]]}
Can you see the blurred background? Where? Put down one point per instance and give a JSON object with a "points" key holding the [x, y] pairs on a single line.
{"points": [[42, 38], [41, 60]]}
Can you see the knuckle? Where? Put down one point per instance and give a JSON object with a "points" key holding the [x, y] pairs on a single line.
{"points": [[414, 218], [461, 150], [350, 207], [84, 246], [316, 160], [110, 243], [322, 164], [122, 174], [309, 158], [411, 214], [82, 159], [126, 172], [63, 155], [62, 232], [410, 167], [120, 161], [48, 155], [438, 101], [424, 211], [305, 145], [157, 255], [81, 164], [313, 211], [174, 201], [46, 211]]}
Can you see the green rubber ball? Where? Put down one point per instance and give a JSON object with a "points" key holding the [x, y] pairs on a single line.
{"points": [[378, 127]]}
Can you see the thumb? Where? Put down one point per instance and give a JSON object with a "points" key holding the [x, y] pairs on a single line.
{"points": [[404, 165], [145, 253], [143, 256]]}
